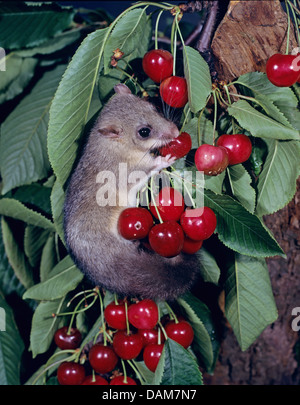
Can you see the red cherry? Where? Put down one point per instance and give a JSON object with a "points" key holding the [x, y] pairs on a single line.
{"points": [[191, 246], [135, 223], [151, 355], [102, 358], [115, 315], [65, 340], [283, 70], [143, 315], [120, 380], [70, 373], [178, 147], [199, 223], [167, 238], [158, 64], [94, 380], [173, 91], [169, 203], [127, 346], [150, 336], [212, 160], [182, 332], [239, 147]]}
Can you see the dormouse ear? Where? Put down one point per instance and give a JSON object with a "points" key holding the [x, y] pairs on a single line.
{"points": [[122, 89], [110, 132]]}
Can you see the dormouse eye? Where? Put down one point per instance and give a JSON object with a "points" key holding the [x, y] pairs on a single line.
{"points": [[144, 132]]}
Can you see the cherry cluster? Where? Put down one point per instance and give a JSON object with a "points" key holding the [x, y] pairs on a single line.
{"points": [[136, 330], [283, 70], [181, 228], [158, 65]]}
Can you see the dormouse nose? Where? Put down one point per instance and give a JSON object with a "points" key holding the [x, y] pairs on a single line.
{"points": [[170, 132]]}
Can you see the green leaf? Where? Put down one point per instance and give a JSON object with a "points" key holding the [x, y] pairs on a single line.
{"points": [[249, 301], [277, 181], [240, 230], [23, 25], [257, 84], [177, 366], [197, 74], [198, 315], [48, 258], [259, 124], [44, 325], [71, 104], [34, 241], [15, 209], [16, 256], [35, 195], [63, 278], [23, 142], [127, 35], [11, 346], [240, 186], [209, 269], [9, 283], [57, 203], [54, 44], [18, 73]]}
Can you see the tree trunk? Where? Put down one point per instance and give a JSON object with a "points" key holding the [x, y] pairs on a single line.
{"points": [[248, 35]]}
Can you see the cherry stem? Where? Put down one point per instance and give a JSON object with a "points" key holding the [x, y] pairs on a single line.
{"points": [[80, 310], [156, 28], [163, 330], [229, 101], [171, 312], [127, 321], [293, 8], [289, 28], [139, 375], [124, 371], [102, 316], [215, 115], [153, 200]]}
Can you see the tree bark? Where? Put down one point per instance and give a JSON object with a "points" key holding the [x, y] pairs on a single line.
{"points": [[248, 35]]}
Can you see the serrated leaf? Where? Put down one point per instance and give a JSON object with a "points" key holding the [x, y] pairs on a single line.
{"points": [[208, 267], [44, 325], [15, 209], [9, 283], [23, 25], [259, 124], [57, 203], [11, 346], [127, 35], [279, 102], [240, 230], [277, 181], [177, 366], [35, 195], [63, 278], [249, 301], [34, 241], [54, 44], [23, 142], [197, 75], [71, 104], [16, 76], [48, 258], [196, 312], [240, 186], [16, 256]]}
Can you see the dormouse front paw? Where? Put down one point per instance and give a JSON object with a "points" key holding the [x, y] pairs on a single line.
{"points": [[162, 162]]}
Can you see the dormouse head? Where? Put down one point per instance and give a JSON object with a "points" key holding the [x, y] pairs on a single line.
{"points": [[129, 119]]}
